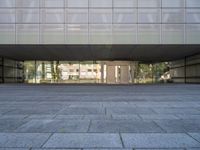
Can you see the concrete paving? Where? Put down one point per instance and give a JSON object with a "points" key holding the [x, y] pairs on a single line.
{"points": [[99, 117]]}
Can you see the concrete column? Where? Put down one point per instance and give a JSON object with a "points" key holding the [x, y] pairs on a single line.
{"points": [[102, 72], [124, 76], [110, 74]]}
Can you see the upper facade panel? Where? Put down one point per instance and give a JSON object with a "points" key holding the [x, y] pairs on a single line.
{"points": [[99, 21]]}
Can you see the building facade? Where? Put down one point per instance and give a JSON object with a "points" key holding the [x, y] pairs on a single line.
{"points": [[79, 30]]}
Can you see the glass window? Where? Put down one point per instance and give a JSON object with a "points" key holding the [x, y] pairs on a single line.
{"points": [[100, 3], [124, 34], [192, 3], [173, 15], [125, 3], [192, 34], [125, 16], [7, 15], [172, 34], [77, 33], [7, 34], [193, 16], [52, 16], [100, 16], [149, 3], [28, 16], [149, 16], [7, 3], [52, 34], [27, 3], [52, 3], [77, 3], [173, 3], [100, 34], [149, 34], [77, 16], [27, 34]]}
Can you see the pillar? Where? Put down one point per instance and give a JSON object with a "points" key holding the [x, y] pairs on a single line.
{"points": [[124, 74], [110, 74]]}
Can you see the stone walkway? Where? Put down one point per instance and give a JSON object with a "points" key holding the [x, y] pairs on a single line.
{"points": [[91, 117]]}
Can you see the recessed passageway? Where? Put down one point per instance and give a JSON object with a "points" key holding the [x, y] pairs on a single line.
{"points": [[99, 116]]}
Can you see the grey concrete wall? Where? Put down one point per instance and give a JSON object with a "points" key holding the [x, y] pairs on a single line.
{"points": [[186, 70]]}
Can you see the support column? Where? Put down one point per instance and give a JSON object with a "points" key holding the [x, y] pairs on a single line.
{"points": [[124, 76], [102, 72], [3, 77], [185, 71], [110, 74]]}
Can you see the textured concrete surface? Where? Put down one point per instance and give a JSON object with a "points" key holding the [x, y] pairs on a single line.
{"points": [[99, 117]]}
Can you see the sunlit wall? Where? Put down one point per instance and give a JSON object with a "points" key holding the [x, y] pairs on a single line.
{"points": [[99, 21]]}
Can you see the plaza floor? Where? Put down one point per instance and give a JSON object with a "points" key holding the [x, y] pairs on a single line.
{"points": [[99, 117]]}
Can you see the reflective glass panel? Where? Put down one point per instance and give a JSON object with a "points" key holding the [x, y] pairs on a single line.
{"points": [[149, 3], [124, 34], [149, 16], [100, 3], [193, 16], [125, 3], [7, 3], [173, 3], [27, 3], [52, 34], [77, 3], [192, 3], [173, 15], [27, 15], [77, 15], [149, 34], [192, 34], [27, 34], [100, 34], [77, 33], [52, 3], [52, 16], [173, 34], [7, 34], [100, 16], [125, 15], [7, 15]]}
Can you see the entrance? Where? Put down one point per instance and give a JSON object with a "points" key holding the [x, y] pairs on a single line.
{"points": [[110, 72]]}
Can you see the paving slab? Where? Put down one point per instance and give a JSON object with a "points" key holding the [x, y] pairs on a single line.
{"points": [[20, 117], [82, 111], [178, 126], [93, 140], [97, 117], [33, 111], [69, 117], [188, 116], [52, 126], [160, 149], [195, 136], [22, 140], [52, 149], [194, 111], [132, 126], [108, 149], [14, 148], [126, 117], [9, 125], [159, 140], [41, 116], [128, 110], [158, 116]]}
